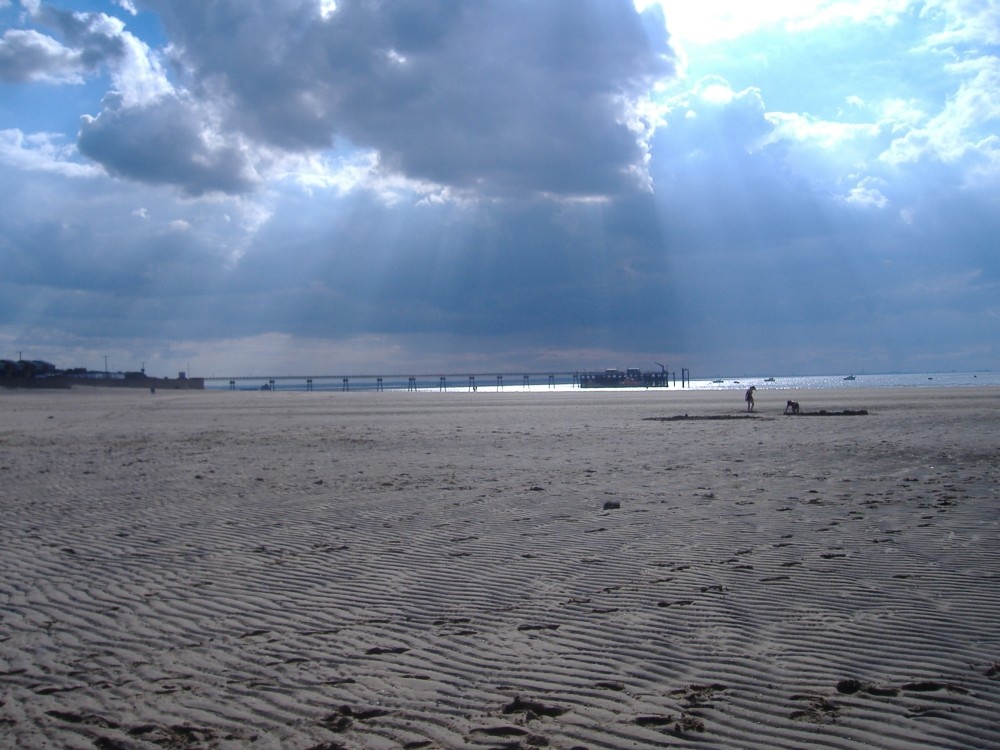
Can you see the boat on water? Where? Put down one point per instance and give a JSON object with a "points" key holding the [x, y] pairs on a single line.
{"points": [[768, 380], [719, 380], [850, 377]]}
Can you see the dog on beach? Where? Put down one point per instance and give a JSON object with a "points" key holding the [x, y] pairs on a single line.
{"points": [[793, 405]]}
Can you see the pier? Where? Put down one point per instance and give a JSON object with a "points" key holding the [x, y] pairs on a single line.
{"points": [[466, 381]]}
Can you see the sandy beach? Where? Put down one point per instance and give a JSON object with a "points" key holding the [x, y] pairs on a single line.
{"points": [[516, 570]]}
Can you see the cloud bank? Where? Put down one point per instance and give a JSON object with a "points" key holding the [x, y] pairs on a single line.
{"points": [[502, 183]]}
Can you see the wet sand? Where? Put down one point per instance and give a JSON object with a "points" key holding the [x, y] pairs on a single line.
{"points": [[457, 570]]}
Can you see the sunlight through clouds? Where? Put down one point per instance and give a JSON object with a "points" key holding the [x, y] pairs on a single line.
{"points": [[513, 180]]}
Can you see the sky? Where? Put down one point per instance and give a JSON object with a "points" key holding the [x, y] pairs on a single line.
{"points": [[251, 187]]}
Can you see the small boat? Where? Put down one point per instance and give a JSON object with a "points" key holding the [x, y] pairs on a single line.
{"points": [[768, 380], [720, 380], [850, 377]]}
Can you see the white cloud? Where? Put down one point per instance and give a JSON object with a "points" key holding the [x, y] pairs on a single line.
{"points": [[965, 124], [355, 170], [900, 114], [720, 20], [139, 77], [966, 21], [711, 116], [91, 41], [825, 14], [42, 152], [717, 92], [824, 134], [343, 173], [28, 55], [866, 194]]}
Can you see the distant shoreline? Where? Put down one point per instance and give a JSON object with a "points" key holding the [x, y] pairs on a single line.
{"points": [[64, 382]]}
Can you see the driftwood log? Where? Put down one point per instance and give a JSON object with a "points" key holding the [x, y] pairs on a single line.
{"points": [[820, 413], [682, 417], [825, 413]]}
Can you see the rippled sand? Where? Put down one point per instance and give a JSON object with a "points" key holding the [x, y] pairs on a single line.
{"points": [[445, 570]]}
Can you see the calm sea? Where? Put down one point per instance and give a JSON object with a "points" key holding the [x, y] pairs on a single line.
{"points": [[899, 380], [563, 382]]}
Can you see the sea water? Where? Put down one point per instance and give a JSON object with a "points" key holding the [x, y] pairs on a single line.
{"points": [[893, 380]]}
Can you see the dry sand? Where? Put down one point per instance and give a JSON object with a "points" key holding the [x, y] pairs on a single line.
{"points": [[427, 570]]}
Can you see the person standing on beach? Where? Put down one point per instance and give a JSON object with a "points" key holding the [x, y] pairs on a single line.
{"points": [[749, 397]]}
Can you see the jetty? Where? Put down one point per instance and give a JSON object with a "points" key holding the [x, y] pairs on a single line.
{"points": [[443, 381]]}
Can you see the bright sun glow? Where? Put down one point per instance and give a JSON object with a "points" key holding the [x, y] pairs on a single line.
{"points": [[327, 8]]}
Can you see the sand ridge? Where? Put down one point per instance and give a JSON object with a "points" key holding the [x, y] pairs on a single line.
{"points": [[439, 570]]}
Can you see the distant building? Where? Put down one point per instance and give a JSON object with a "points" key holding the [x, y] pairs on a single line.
{"points": [[40, 374]]}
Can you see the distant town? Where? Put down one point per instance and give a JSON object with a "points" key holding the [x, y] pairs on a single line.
{"points": [[36, 373]]}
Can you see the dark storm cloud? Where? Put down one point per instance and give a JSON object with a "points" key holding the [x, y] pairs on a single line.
{"points": [[582, 273], [97, 36], [81, 246], [165, 141], [496, 96]]}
